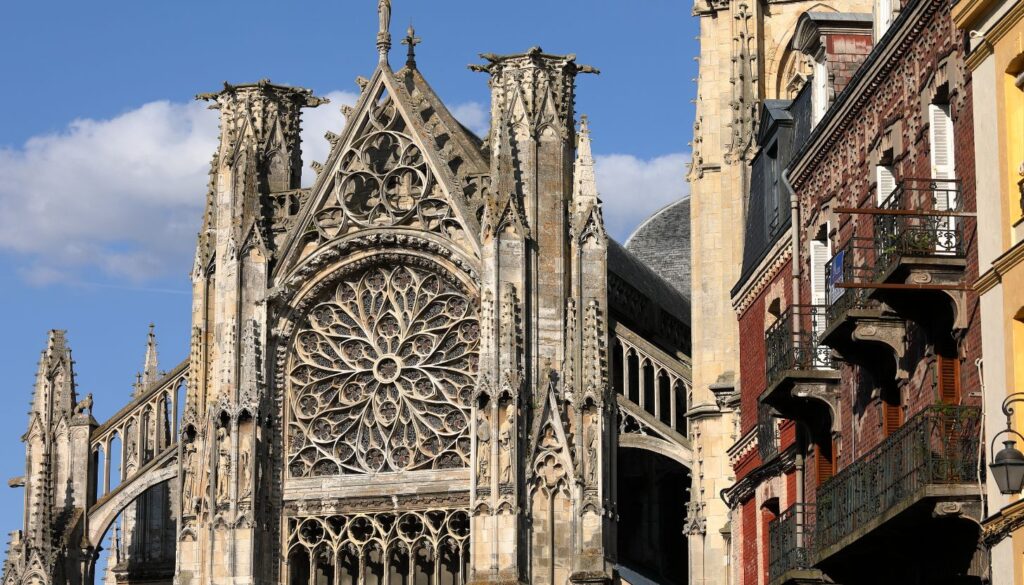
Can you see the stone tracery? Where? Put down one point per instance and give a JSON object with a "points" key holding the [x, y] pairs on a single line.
{"points": [[384, 180], [381, 376], [429, 546]]}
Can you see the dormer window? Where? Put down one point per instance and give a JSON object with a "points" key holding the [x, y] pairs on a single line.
{"points": [[833, 46]]}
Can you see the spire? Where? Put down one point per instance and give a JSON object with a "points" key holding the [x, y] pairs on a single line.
{"points": [[55, 379], [587, 221], [584, 182], [150, 365], [384, 30], [411, 40]]}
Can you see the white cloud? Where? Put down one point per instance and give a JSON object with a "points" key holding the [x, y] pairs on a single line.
{"points": [[632, 188], [119, 195], [123, 197], [473, 115]]}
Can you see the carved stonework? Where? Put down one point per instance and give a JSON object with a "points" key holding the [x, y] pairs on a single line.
{"points": [[382, 375], [383, 180]]}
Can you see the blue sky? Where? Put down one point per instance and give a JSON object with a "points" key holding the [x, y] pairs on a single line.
{"points": [[103, 153]]}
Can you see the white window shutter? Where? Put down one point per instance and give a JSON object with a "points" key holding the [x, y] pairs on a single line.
{"points": [[886, 180], [940, 134], [883, 17], [819, 257], [819, 93]]}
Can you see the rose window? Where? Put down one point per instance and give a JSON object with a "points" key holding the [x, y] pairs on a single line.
{"points": [[381, 375]]}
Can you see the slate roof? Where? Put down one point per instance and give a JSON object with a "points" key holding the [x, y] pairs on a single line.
{"points": [[634, 271], [662, 242]]}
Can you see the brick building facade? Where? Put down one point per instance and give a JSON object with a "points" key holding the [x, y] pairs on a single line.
{"points": [[859, 333]]}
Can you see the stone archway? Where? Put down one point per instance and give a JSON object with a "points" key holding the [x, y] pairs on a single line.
{"points": [[653, 493]]}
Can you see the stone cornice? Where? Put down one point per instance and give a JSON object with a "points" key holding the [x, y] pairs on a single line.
{"points": [[742, 447], [765, 273], [892, 50], [744, 488], [1001, 266]]}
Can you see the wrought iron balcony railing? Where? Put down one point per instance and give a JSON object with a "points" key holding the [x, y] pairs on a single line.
{"points": [[792, 342], [938, 446], [791, 541], [920, 219], [849, 265]]}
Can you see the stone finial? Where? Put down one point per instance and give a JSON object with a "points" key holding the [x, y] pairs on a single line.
{"points": [[411, 40]]}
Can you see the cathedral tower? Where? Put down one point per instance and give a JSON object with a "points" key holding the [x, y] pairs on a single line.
{"points": [[541, 426], [224, 534]]}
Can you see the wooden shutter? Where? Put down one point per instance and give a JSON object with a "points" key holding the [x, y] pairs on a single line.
{"points": [[819, 91], [824, 464], [818, 260], [886, 180], [940, 134], [893, 420], [949, 379], [883, 17]]}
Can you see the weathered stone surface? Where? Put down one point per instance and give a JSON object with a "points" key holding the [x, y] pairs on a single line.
{"points": [[404, 369]]}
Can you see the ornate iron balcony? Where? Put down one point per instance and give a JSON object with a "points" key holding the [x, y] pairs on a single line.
{"points": [[924, 224], [847, 266], [792, 342], [938, 446], [791, 541]]}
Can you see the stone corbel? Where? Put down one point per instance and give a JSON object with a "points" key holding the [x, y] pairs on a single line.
{"points": [[945, 277], [889, 332], [824, 392]]}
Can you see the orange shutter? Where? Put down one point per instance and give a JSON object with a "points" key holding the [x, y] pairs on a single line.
{"points": [[893, 417], [949, 380], [825, 466]]}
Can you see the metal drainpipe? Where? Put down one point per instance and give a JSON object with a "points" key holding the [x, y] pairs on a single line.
{"points": [[794, 230]]}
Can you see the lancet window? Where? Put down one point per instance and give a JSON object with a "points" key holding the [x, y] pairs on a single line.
{"points": [[412, 548]]}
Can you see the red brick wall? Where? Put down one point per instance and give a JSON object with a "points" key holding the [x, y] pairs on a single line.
{"points": [[844, 55], [748, 560], [747, 463], [787, 434], [844, 177], [752, 349]]}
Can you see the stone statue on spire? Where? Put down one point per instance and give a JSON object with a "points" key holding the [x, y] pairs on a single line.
{"points": [[384, 31]]}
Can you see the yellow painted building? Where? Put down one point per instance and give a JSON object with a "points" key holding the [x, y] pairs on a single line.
{"points": [[995, 31]]}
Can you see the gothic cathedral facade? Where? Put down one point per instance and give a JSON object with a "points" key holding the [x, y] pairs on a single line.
{"points": [[425, 369]]}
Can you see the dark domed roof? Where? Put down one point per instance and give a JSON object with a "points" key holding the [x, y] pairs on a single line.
{"points": [[662, 242]]}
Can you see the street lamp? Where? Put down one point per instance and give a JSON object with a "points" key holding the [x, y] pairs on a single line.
{"points": [[1007, 465]]}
